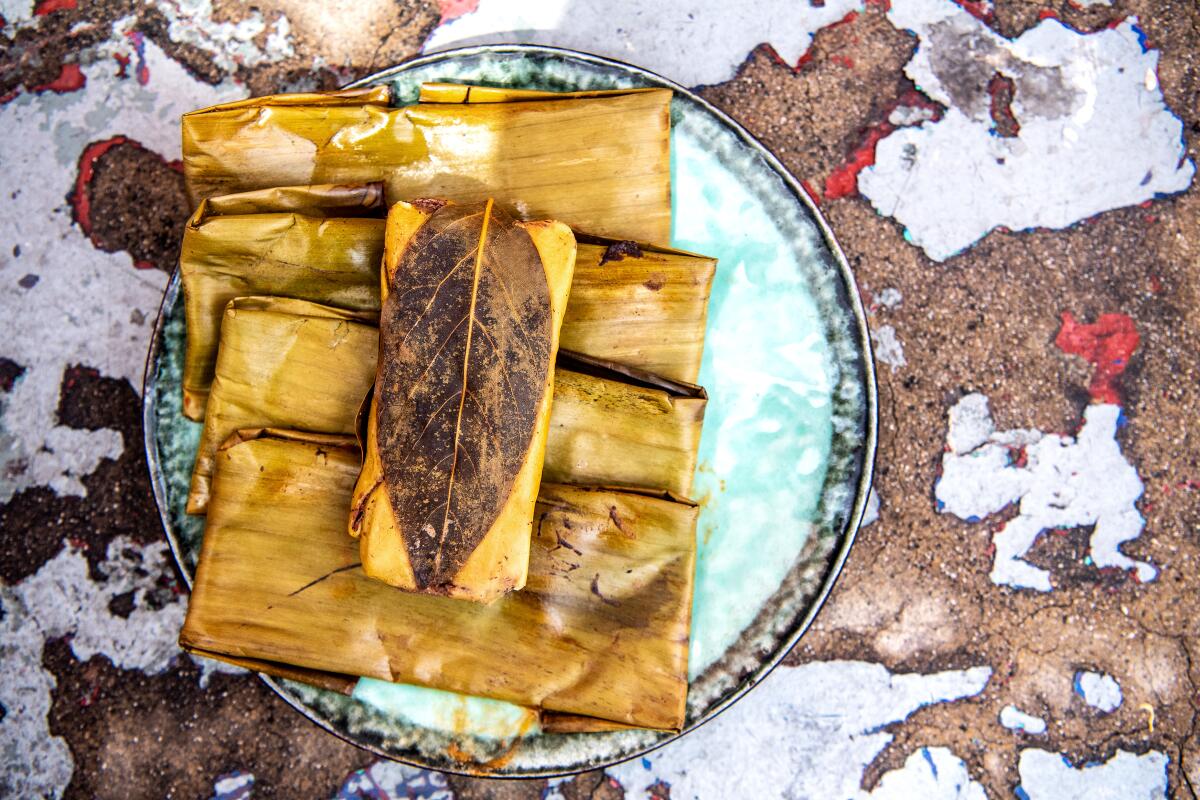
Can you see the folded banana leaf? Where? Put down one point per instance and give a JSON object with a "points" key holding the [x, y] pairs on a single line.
{"points": [[600, 630], [232, 249], [640, 305], [609, 424], [456, 437], [436, 92], [285, 363], [350, 136], [599, 163], [615, 425]]}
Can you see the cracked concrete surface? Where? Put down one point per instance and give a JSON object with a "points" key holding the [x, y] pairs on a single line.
{"points": [[915, 600]]}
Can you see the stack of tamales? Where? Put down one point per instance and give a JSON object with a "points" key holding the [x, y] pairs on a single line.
{"points": [[450, 448]]}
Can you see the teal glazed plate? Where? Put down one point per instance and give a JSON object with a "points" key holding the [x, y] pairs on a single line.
{"points": [[785, 460]]}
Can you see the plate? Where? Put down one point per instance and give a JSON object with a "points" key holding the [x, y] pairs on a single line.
{"points": [[785, 459]]}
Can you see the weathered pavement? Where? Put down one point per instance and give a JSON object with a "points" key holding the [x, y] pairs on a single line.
{"points": [[1013, 186]]}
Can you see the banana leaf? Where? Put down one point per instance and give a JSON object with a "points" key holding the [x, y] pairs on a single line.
{"points": [[609, 424], [457, 426], [600, 630], [640, 305], [436, 92], [231, 248], [599, 163], [615, 425], [351, 136], [285, 363]]}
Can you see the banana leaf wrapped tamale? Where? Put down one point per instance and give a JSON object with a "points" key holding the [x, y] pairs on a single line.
{"points": [[609, 424], [600, 630], [456, 431], [308, 242], [348, 136], [600, 163], [285, 363], [615, 425], [641, 305], [636, 304]]}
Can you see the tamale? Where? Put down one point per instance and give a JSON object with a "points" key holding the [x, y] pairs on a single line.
{"points": [[609, 424], [231, 248], [287, 363], [457, 426], [599, 162], [600, 630], [615, 425], [350, 136], [639, 304]]}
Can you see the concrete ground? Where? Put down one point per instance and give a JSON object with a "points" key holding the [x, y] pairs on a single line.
{"points": [[1013, 187]]}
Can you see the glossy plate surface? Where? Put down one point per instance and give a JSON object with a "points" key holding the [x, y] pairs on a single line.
{"points": [[785, 460]]}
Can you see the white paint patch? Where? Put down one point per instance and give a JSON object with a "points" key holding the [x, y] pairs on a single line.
{"points": [[231, 44], [1014, 719], [888, 348], [87, 307], [61, 600], [1099, 690], [889, 298], [390, 779], [931, 773], [234, 786], [808, 731], [871, 512], [1049, 776], [15, 11], [1065, 483], [1094, 133], [688, 41]]}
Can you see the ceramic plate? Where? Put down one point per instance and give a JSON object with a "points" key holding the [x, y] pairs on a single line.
{"points": [[785, 459]]}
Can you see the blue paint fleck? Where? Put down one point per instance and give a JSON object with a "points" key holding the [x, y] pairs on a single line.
{"points": [[1122, 420], [1021, 793], [646, 763], [1078, 682], [929, 758]]}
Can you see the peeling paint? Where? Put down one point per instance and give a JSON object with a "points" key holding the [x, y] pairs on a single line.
{"points": [[1094, 131], [79, 310], [236, 785], [385, 780], [1049, 776], [930, 773], [1098, 690], [666, 37], [888, 348], [1015, 719], [829, 713], [1059, 481], [61, 600]]}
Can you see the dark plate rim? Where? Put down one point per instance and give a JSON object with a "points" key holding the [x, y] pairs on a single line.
{"points": [[870, 423]]}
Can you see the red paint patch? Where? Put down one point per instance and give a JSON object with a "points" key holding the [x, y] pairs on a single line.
{"points": [[50, 6], [1047, 13], [123, 64], [979, 9], [70, 79], [882, 5], [453, 9], [87, 168], [842, 61], [1107, 344], [843, 181]]}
